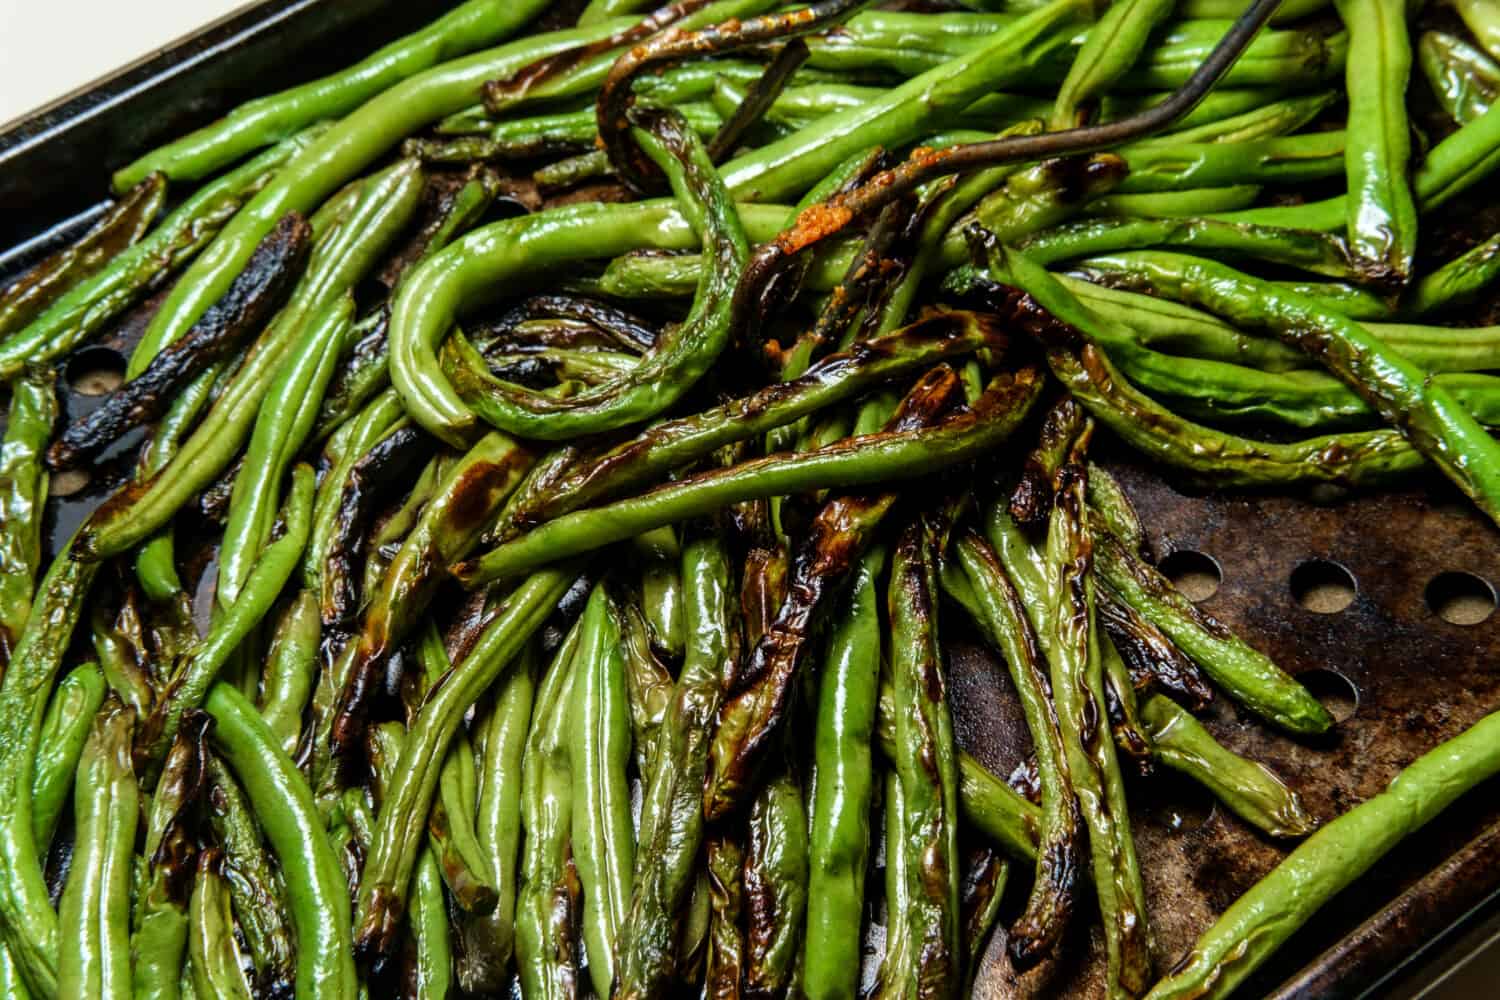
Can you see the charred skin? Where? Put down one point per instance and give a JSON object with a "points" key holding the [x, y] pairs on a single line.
{"points": [[726, 941], [241, 312], [835, 541], [927, 763], [1153, 658]]}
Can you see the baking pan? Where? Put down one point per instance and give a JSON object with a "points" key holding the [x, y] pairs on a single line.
{"points": [[1402, 676]]}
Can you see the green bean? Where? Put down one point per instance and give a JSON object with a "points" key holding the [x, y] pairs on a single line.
{"points": [[525, 138], [1003, 618], [925, 762], [726, 942], [351, 442], [258, 897], [1248, 676], [1174, 204], [1451, 167], [1263, 918], [432, 975], [26, 915], [1109, 49], [94, 917], [387, 874], [1284, 159], [661, 591], [1456, 282], [119, 226], [1252, 791], [1264, 122], [1401, 392], [648, 682], [12, 986], [1222, 104], [599, 752], [450, 826], [1465, 80], [842, 790], [473, 25], [776, 885], [1078, 689], [89, 306], [853, 462], [1480, 19], [70, 713], [213, 955], [159, 941], [1047, 194], [896, 965], [983, 890], [291, 665], [672, 822], [1315, 252], [1123, 711], [23, 491], [598, 10], [1291, 58], [1290, 10], [489, 940], [127, 678], [193, 678], [547, 894], [279, 796], [1382, 213]]}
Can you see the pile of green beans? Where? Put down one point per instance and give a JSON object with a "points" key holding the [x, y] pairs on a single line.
{"points": [[521, 580]]}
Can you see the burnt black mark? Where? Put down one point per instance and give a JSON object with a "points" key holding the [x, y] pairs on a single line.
{"points": [[243, 309]]}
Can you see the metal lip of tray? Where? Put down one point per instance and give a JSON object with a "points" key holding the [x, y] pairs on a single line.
{"points": [[1408, 677]]}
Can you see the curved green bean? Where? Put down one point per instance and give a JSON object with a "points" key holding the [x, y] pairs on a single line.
{"points": [[94, 917], [213, 955], [23, 491], [70, 714]]}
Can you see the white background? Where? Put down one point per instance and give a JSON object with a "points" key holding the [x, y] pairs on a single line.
{"points": [[49, 48]]}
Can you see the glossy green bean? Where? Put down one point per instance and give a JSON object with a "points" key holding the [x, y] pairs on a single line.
{"points": [[1264, 122], [432, 973], [1400, 391], [281, 799], [489, 940], [1078, 690], [23, 491], [599, 753], [896, 964], [27, 919], [70, 713], [1382, 213], [1314, 252], [726, 941], [94, 916], [259, 900], [598, 10], [291, 665], [661, 588], [351, 442], [1464, 80], [852, 462], [776, 886], [213, 955], [1110, 48], [843, 786], [1261, 920], [1004, 619], [547, 895], [1250, 789], [1456, 282], [925, 761], [194, 678], [452, 839], [672, 813], [470, 26], [387, 874], [1174, 204], [1280, 160]]}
